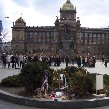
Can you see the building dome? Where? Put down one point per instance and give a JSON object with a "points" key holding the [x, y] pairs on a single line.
{"points": [[67, 6], [20, 20]]}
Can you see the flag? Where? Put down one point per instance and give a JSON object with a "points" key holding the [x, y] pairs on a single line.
{"points": [[1, 28], [45, 82], [99, 82]]}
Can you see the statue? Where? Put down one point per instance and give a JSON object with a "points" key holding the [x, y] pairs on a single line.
{"points": [[72, 43], [57, 17], [67, 31], [60, 45]]}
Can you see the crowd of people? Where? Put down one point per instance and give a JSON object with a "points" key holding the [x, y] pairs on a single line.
{"points": [[12, 60], [19, 60]]}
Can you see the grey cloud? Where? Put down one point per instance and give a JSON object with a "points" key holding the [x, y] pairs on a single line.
{"points": [[2, 11], [48, 6], [43, 6], [21, 2], [93, 6]]}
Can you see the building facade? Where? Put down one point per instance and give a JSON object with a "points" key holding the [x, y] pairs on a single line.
{"points": [[66, 37]]}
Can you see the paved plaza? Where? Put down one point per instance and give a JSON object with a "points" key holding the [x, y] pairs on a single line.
{"points": [[5, 72], [99, 67]]}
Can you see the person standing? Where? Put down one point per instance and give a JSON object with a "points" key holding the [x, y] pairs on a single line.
{"points": [[8, 60], [105, 63], [86, 61], [3, 57], [13, 61], [67, 60], [21, 58]]}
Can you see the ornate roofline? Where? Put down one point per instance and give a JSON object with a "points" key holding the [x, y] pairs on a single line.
{"points": [[68, 1]]}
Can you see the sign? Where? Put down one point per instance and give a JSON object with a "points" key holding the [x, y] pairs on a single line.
{"points": [[99, 82]]}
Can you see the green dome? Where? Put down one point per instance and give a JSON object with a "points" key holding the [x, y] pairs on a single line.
{"points": [[67, 6]]}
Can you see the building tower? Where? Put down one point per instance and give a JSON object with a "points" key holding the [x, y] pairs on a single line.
{"points": [[67, 29], [18, 33]]}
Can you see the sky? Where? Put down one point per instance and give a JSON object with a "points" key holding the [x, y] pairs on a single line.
{"points": [[92, 13]]}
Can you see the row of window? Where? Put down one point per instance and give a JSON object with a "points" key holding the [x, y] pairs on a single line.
{"points": [[90, 38], [39, 33], [39, 39], [36, 47], [92, 49]]}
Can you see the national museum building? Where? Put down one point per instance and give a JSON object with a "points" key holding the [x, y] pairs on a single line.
{"points": [[66, 37]]}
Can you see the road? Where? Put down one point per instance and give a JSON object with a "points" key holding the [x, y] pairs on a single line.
{"points": [[8, 105], [105, 107]]}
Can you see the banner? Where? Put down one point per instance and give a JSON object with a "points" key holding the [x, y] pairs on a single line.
{"points": [[99, 82]]}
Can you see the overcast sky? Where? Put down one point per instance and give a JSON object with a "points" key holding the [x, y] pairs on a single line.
{"points": [[92, 13]]}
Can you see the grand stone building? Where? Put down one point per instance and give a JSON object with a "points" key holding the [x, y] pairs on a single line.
{"points": [[66, 37]]}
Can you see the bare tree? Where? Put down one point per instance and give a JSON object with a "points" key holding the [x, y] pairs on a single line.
{"points": [[3, 38]]}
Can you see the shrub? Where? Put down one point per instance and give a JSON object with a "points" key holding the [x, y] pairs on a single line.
{"points": [[106, 79], [107, 91], [71, 69], [32, 75], [80, 82], [12, 81]]}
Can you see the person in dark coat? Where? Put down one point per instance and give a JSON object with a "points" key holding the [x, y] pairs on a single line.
{"points": [[67, 60], [105, 63], [3, 57], [13, 60]]}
